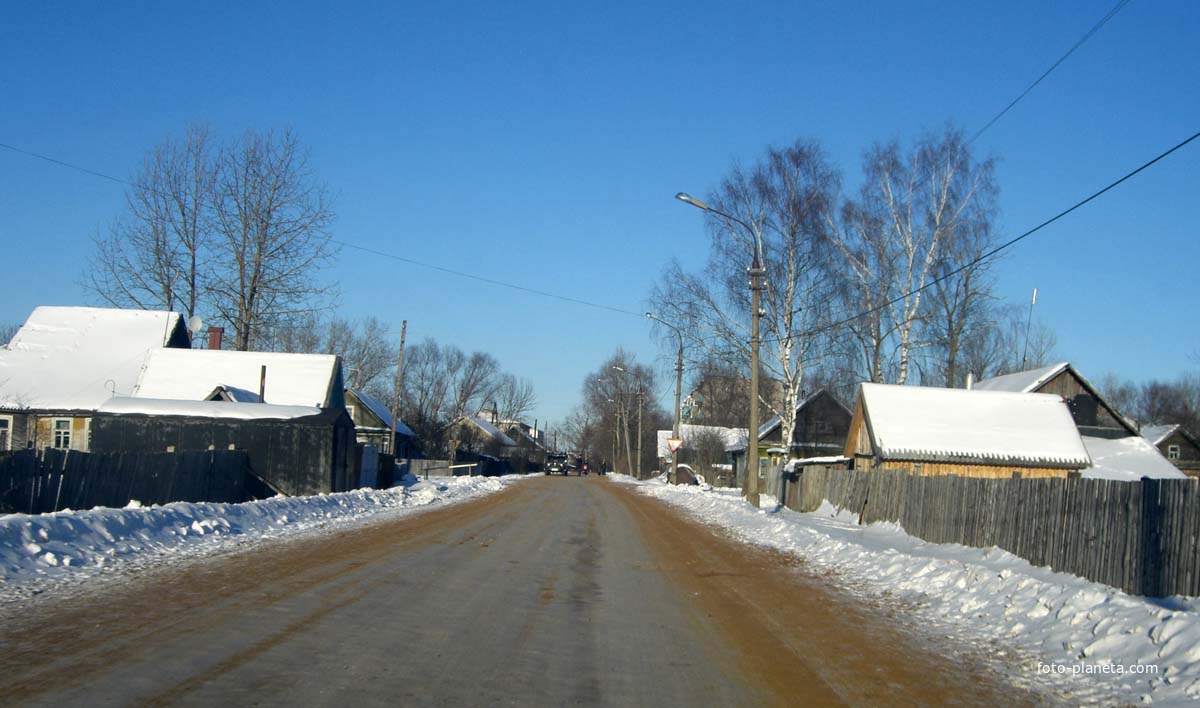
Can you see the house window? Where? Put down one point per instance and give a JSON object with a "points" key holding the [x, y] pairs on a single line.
{"points": [[350, 410], [5, 432], [1172, 452], [62, 433]]}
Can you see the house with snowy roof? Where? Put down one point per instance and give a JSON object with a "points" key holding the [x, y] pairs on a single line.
{"points": [[66, 362], [1116, 448], [970, 433], [373, 423], [820, 428], [474, 438], [286, 411], [1177, 444]]}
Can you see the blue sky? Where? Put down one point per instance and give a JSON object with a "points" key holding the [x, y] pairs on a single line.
{"points": [[541, 143]]}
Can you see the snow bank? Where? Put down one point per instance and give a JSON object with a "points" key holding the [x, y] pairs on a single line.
{"points": [[1084, 638], [40, 552]]}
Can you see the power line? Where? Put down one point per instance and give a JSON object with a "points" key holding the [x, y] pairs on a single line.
{"points": [[491, 281], [451, 271], [1088, 35]]}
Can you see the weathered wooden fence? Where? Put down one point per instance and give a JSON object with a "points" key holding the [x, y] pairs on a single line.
{"points": [[51, 480], [1141, 536]]}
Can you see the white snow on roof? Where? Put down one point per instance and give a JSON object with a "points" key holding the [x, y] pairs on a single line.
{"points": [[206, 409], [75, 358], [729, 436], [1157, 433], [191, 374], [493, 431], [1129, 458], [1021, 381], [926, 423], [382, 412], [238, 395]]}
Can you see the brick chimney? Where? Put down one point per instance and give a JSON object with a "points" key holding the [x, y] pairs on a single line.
{"points": [[214, 337]]}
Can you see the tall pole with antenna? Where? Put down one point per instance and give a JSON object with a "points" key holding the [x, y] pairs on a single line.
{"points": [[1028, 322]]}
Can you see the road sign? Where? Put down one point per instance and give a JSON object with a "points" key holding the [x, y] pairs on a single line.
{"points": [[673, 444]]}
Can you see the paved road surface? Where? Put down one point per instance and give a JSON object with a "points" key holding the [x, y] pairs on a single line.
{"points": [[557, 591]]}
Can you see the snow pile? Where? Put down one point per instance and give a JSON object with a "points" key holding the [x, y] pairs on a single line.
{"points": [[1085, 638], [1127, 459], [38, 552]]}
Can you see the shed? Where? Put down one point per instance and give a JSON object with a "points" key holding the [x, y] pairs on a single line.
{"points": [[294, 449], [939, 431], [1092, 414], [65, 362]]}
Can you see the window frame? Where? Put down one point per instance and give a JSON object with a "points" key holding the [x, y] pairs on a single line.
{"points": [[1173, 452], [55, 432], [7, 444]]}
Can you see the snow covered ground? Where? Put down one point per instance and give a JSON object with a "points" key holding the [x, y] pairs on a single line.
{"points": [[1096, 644], [64, 549]]}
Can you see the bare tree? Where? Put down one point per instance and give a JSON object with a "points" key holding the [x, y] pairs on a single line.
{"points": [[786, 197], [514, 397], [151, 257], [271, 220], [911, 205]]}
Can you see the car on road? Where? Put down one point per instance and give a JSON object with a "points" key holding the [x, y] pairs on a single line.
{"points": [[556, 463]]}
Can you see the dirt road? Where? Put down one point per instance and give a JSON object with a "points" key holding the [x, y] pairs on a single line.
{"points": [[557, 591]]}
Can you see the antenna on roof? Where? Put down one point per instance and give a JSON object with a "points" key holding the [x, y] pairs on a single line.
{"points": [[1028, 322]]}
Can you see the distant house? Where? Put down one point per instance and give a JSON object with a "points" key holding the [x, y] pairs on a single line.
{"points": [[373, 421], [66, 362], [1113, 442], [707, 450], [474, 435], [821, 425], [1179, 446], [941, 431], [530, 454]]}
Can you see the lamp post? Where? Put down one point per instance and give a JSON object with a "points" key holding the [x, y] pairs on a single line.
{"points": [[756, 273], [678, 391]]}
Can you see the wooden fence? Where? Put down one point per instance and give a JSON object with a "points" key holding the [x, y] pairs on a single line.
{"points": [[51, 480], [1140, 536]]}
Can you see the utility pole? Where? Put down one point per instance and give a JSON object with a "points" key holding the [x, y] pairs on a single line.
{"points": [[674, 477], [396, 392], [641, 400]]}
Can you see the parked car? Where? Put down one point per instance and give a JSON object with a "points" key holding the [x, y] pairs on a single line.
{"points": [[556, 464]]}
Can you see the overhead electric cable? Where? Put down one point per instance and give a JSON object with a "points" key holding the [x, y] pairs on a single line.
{"points": [[451, 271]]}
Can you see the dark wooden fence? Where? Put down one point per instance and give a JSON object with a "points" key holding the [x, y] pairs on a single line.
{"points": [[1137, 536], [52, 480]]}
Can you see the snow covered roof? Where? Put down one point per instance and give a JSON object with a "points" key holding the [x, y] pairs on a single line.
{"points": [[491, 430], [973, 427], [76, 358], [381, 411], [1157, 433], [520, 432], [1021, 381], [1129, 458], [192, 374], [774, 421], [205, 409], [233, 393], [729, 436]]}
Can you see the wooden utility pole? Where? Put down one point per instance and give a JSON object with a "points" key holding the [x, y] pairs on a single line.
{"points": [[641, 401], [396, 392]]}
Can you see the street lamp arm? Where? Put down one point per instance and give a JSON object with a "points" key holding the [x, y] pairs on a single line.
{"points": [[753, 230]]}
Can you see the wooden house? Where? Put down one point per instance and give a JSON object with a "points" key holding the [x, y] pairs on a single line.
{"points": [[941, 431], [1180, 447], [373, 423], [530, 454], [65, 362], [1113, 443], [1092, 414], [821, 424]]}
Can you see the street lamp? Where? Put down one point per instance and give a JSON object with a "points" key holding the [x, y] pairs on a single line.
{"points": [[678, 391], [756, 273]]}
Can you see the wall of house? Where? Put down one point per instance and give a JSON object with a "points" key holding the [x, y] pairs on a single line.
{"points": [[307, 456], [936, 469], [44, 431], [1087, 410], [1189, 454]]}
